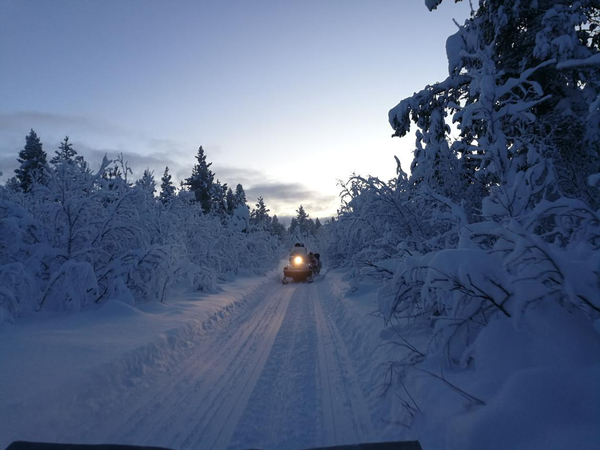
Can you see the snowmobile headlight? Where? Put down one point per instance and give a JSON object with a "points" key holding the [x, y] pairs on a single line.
{"points": [[298, 260]]}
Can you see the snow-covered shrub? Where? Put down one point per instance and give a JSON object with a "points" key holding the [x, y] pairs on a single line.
{"points": [[85, 237], [500, 225], [18, 292]]}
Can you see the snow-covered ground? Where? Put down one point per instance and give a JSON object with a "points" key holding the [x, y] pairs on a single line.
{"points": [[258, 364], [265, 365]]}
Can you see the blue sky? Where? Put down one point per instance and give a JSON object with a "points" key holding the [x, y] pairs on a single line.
{"points": [[286, 97]]}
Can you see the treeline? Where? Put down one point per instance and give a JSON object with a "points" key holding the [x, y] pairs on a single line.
{"points": [[72, 237]]}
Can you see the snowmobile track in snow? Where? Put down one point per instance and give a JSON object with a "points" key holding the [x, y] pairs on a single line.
{"points": [[274, 374], [348, 420]]}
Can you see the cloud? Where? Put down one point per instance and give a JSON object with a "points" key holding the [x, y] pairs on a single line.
{"points": [[8, 163], [285, 198], [92, 138], [24, 120], [235, 175], [137, 162]]}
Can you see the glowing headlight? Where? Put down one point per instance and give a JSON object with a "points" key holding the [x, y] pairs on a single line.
{"points": [[298, 260]]}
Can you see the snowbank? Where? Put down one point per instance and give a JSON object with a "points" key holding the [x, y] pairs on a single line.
{"points": [[523, 385], [57, 367]]}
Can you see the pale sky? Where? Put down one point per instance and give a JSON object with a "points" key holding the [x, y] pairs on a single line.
{"points": [[285, 96]]}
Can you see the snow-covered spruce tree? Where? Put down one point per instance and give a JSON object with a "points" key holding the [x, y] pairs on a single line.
{"points": [[219, 199], [167, 190], [200, 183], [65, 153], [277, 228], [240, 195], [259, 216], [317, 224], [302, 229], [230, 200], [147, 182], [302, 220], [33, 165]]}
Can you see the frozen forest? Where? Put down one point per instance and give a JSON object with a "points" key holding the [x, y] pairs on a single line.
{"points": [[72, 237], [483, 257], [488, 253]]}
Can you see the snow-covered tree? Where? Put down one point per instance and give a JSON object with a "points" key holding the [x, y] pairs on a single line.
{"points": [[201, 181], [219, 198], [240, 195], [91, 237], [65, 153], [147, 182], [13, 184], [302, 220], [260, 215], [167, 190], [277, 228], [492, 228], [230, 200], [32, 160]]}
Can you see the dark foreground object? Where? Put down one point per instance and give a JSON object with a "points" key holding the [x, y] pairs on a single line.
{"points": [[406, 445], [22, 445]]}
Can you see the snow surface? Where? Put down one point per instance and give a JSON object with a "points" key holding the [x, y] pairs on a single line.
{"points": [[59, 371], [257, 364], [260, 364]]}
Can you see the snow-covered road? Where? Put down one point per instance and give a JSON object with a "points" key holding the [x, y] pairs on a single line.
{"points": [[273, 373], [275, 376]]}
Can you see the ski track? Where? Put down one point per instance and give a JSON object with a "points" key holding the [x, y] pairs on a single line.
{"points": [[277, 375]]}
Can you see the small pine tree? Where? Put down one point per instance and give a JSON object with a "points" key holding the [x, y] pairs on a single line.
{"points": [[219, 198], [277, 228], [240, 195], [65, 153], [302, 220], [230, 199], [33, 163], [167, 190], [147, 182], [260, 215], [201, 181]]}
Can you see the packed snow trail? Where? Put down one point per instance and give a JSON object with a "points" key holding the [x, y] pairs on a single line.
{"points": [[274, 375], [308, 394]]}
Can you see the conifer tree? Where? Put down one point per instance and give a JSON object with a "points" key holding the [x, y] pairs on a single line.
{"points": [[230, 200], [65, 153], [240, 195], [147, 182], [219, 198], [260, 215], [302, 220], [32, 161], [167, 190], [277, 228], [200, 183]]}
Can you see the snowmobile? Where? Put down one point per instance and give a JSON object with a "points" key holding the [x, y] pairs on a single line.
{"points": [[300, 267]]}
